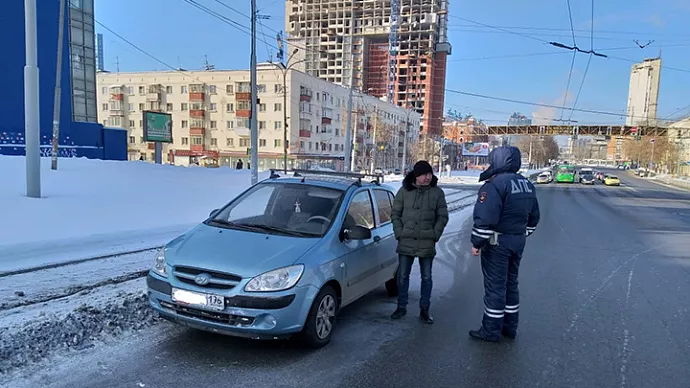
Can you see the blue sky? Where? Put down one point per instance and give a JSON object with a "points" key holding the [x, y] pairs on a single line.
{"points": [[510, 60]]}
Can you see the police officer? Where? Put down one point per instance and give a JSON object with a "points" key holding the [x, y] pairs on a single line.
{"points": [[506, 212]]}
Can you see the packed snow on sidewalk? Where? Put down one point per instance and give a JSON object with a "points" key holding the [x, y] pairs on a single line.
{"points": [[93, 207]]}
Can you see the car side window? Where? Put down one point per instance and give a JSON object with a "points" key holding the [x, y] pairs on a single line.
{"points": [[384, 205], [360, 212]]}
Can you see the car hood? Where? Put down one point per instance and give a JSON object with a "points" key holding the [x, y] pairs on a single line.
{"points": [[246, 254]]}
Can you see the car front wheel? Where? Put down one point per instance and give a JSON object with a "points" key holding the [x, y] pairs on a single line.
{"points": [[318, 330]]}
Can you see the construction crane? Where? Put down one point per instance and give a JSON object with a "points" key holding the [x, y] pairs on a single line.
{"points": [[393, 49]]}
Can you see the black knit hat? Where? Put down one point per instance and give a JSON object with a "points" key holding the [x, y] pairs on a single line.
{"points": [[422, 167]]}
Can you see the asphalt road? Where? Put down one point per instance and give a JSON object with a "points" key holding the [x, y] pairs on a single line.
{"points": [[605, 302]]}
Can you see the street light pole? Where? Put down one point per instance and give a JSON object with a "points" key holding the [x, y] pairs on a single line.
{"points": [[253, 122], [285, 70], [31, 110]]}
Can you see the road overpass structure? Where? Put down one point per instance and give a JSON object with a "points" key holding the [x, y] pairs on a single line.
{"points": [[607, 131]]}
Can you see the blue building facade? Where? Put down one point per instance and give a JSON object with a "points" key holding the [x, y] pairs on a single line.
{"points": [[80, 133]]}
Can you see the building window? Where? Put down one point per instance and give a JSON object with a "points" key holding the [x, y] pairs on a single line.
{"points": [[261, 88], [184, 106], [169, 107], [183, 89], [185, 141], [104, 106], [301, 144], [243, 105], [131, 123], [262, 125], [262, 142], [104, 90], [197, 140], [142, 90], [212, 89], [277, 125], [141, 123], [243, 87], [229, 142], [214, 141], [277, 107], [277, 88], [229, 108], [141, 140], [214, 106], [244, 142], [169, 89], [229, 89], [132, 140], [242, 122], [262, 107], [229, 124], [184, 123], [213, 125], [277, 143]]}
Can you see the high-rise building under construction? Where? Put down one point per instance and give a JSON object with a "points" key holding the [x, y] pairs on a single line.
{"points": [[386, 48]]}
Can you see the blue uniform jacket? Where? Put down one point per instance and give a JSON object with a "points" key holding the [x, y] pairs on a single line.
{"points": [[507, 201]]}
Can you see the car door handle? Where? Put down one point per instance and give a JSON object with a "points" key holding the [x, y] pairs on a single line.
{"points": [[377, 239]]}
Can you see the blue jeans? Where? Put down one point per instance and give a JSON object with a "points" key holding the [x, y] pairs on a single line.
{"points": [[404, 269]]}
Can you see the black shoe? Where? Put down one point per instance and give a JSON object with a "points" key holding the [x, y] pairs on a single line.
{"points": [[479, 335], [399, 313], [425, 316], [508, 334]]}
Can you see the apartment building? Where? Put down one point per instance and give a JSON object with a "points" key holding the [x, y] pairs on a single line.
{"points": [[211, 110], [390, 48]]}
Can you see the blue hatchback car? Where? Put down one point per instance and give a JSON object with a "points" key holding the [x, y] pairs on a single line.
{"points": [[281, 258]]}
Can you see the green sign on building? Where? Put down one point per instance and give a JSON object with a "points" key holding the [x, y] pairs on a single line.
{"points": [[157, 127]]}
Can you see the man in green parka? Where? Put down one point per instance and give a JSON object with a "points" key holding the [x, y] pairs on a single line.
{"points": [[419, 217]]}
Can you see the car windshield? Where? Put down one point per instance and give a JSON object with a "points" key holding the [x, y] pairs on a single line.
{"points": [[293, 209], [565, 170], [613, 177]]}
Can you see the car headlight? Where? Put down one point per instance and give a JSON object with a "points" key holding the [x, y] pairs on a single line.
{"points": [[159, 265], [277, 280]]}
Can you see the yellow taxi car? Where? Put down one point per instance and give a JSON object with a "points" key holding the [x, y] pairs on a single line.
{"points": [[612, 180]]}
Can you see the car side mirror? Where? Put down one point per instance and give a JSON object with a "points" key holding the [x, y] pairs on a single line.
{"points": [[357, 232], [213, 213]]}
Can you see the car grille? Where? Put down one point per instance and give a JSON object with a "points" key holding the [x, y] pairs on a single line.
{"points": [[211, 316], [219, 280]]}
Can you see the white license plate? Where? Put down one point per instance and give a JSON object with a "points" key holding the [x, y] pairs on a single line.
{"points": [[209, 301]]}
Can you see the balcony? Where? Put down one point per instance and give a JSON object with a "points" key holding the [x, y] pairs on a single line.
{"points": [[153, 96], [326, 120], [197, 131], [197, 96], [242, 113], [243, 96], [197, 113], [305, 94], [304, 133], [117, 96], [197, 148]]}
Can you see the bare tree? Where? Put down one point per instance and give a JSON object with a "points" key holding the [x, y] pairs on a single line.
{"points": [[663, 153], [544, 148]]}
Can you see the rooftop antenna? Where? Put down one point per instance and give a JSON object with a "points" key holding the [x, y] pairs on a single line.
{"points": [[207, 66]]}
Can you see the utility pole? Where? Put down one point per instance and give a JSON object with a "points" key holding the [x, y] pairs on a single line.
{"points": [[403, 164], [56, 101], [31, 109], [349, 149], [373, 149], [253, 122], [285, 121]]}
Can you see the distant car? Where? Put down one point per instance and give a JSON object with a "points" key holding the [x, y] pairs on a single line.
{"points": [[599, 176], [280, 259], [544, 178], [612, 180], [587, 179]]}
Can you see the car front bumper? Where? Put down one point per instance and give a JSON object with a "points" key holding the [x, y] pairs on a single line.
{"points": [[262, 316]]}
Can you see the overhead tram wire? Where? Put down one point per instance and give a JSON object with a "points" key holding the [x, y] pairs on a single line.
{"points": [[589, 61], [572, 62]]}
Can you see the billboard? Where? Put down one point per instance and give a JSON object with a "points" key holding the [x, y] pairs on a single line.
{"points": [[157, 127], [475, 149]]}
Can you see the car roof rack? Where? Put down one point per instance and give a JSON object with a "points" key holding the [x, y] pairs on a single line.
{"points": [[378, 178]]}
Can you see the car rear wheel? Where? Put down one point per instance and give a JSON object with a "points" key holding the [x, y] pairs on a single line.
{"points": [[318, 330]]}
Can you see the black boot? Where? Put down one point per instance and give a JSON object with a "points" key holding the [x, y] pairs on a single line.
{"points": [[399, 313], [425, 316], [480, 335], [508, 334]]}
